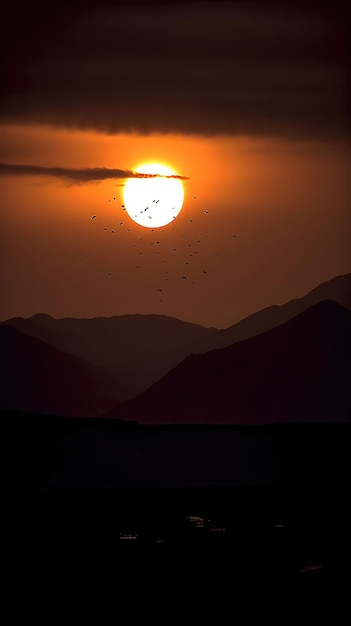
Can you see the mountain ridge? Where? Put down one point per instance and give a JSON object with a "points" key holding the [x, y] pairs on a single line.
{"points": [[284, 374], [36, 377]]}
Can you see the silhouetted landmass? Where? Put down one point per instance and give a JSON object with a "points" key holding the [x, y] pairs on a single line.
{"points": [[92, 366], [338, 289], [133, 350], [43, 452], [258, 512], [297, 372], [36, 377]]}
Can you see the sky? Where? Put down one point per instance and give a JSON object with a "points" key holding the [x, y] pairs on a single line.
{"points": [[246, 102]]}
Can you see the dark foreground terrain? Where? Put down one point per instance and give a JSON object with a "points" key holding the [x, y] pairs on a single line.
{"points": [[194, 518]]}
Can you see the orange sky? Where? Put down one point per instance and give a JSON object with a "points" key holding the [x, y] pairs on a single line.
{"points": [[287, 203]]}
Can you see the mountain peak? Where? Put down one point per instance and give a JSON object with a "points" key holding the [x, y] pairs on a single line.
{"points": [[41, 317]]}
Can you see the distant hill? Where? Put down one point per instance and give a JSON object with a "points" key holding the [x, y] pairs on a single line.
{"points": [[36, 377], [133, 350], [128, 354], [297, 372], [338, 289]]}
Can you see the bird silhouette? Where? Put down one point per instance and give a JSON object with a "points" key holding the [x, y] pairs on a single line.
{"points": [[93, 217]]}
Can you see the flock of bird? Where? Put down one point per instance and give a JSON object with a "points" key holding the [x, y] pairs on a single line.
{"points": [[186, 250]]}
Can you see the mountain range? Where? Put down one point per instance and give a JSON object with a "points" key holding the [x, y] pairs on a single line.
{"points": [[36, 377], [286, 362], [297, 372]]}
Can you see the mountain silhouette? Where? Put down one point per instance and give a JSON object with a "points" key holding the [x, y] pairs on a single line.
{"points": [[38, 378], [132, 350], [338, 289], [297, 372]]}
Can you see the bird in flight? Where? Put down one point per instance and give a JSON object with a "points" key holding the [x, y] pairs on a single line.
{"points": [[93, 217]]}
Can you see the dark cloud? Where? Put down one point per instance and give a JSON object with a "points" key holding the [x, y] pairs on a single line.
{"points": [[208, 68], [94, 174]]}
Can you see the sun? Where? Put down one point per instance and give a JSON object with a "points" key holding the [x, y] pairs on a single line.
{"points": [[156, 201]]}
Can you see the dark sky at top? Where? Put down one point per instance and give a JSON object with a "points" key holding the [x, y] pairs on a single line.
{"points": [[190, 67]]}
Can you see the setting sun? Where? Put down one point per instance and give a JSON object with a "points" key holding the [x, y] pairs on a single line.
{"points": [[154, 201]]}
